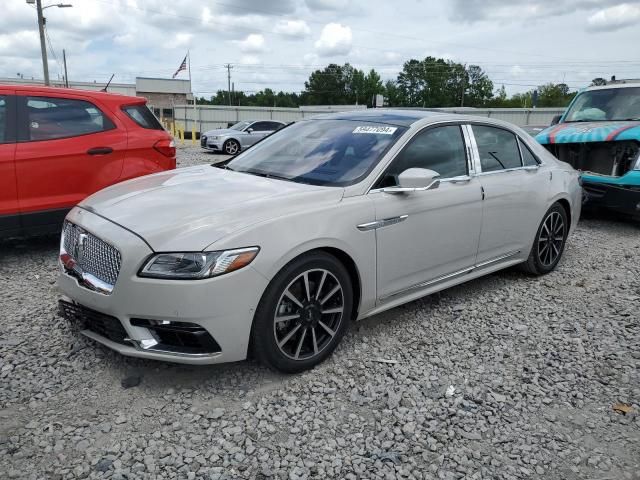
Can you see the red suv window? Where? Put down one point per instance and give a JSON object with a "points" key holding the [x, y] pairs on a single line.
{"points": [[143, 117], [50, 118]]}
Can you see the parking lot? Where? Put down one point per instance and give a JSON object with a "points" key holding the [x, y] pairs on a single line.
{"points": [[505, 377]]}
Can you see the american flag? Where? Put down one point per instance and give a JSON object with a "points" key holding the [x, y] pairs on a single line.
{"points": [[183, 66]]}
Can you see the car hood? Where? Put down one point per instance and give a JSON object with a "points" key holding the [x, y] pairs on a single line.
{"points": [[221, 131], [580, 132], [191, 208]]}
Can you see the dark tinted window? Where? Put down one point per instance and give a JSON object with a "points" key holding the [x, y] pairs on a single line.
{"points": [[262, 127], [498, 148], [440, 149], [320, 152], [143, 117], [50, 118], [275, 125], [3, 119], [528, 159]]}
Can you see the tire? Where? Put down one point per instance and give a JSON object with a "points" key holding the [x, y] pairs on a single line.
{"points": [[547, 249], [231, 147], [313, 324]]}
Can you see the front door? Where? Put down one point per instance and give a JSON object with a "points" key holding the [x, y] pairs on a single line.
{"points": [[256, 132], [68, 149], [425, 237], [9, 211]]}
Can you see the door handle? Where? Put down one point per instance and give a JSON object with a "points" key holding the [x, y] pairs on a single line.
{"points": [[100, 151]]}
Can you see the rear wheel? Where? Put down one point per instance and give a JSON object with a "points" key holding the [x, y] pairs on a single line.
{"points": [[303, 314], [231, 147], [549, 242]]}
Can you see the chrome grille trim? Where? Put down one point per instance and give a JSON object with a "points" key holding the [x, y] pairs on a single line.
{"points": [[92, 260]]}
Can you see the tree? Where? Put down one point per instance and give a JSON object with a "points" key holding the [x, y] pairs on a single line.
{"points": [[436, 82], [479, 89]]}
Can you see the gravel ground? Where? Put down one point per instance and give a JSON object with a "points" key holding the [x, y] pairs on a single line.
{"points": [[505, 377]]}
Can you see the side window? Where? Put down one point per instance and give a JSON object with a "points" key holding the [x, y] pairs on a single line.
{"points": [[143, 117], [261, 126], [275, 126], [498, 148], [440, 149], [528, 159], [3, 119], [50, 118]]}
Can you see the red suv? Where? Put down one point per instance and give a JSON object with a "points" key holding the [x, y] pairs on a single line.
{"points": [[58, 146]]}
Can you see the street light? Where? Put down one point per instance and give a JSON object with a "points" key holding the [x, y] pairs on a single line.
{"points": [[41, 20]]}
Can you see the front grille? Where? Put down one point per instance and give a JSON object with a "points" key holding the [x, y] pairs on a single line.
{"points": [[203, 141], [91, 254], [100, 323]]}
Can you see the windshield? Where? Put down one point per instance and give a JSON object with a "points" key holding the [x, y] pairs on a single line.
{"points": [[320, 152], [602, 105], [240, 125]]}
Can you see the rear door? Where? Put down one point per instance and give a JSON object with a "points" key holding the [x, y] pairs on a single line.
{"points": [[511, 194], [68, 148], [9, 211]]}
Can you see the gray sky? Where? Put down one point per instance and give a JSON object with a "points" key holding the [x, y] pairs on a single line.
{"points": [[277, 43]]}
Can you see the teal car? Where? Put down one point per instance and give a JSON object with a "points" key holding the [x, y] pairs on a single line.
{"points": [[599, 134]]}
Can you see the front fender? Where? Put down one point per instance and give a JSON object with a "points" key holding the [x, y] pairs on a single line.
{"points": [[288, 236]]}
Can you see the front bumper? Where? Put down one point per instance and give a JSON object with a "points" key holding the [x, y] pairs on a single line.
{"points": [[211, 145], [222, 306], [621, 194]]}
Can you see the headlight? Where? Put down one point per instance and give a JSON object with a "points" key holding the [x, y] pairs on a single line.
{"points": [[197, 265]]}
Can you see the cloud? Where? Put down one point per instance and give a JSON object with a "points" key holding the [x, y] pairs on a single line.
{"points": [[326, 4], [335, 39], [614, 18], [293, 28], [249, 60], [254, 43], [260, 7], [472, 11]]}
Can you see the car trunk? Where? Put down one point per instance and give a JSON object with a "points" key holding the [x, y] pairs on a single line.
{"points": [[602, 158]]}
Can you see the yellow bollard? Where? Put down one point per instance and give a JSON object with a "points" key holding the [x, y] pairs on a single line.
{"points": [[193, 135], [181, 131]]}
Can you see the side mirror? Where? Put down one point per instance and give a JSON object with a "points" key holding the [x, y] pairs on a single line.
{"points": [[415, 180], [556, 120], [249, 130]]}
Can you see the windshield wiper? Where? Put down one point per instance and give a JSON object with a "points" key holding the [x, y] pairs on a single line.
{"points": [[265, 175]]}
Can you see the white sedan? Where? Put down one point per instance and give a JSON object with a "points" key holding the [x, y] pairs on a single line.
{"points": [[327, 221]]}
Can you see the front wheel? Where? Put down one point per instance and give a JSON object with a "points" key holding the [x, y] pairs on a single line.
{"points": [[231, 147], [303, 314], [549, 242]]}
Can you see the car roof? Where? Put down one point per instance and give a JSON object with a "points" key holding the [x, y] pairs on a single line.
{"points": [[613, 85], [406, 118], [57, 91]]}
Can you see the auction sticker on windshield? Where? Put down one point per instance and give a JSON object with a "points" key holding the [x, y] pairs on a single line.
{"points": [[376, 130]]}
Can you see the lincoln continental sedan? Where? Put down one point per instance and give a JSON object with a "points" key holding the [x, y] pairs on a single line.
{"points": [[327, 221]]}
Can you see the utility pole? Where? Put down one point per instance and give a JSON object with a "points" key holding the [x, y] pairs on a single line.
{"points": [[229, 67], [43, 47], [64, 60]]}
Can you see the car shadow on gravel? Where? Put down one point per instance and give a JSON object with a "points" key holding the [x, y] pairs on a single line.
{"points": [[30, 245]]}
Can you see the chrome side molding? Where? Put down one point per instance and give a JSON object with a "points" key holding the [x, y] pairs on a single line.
{"points": [[365, 227], [450, 276]]}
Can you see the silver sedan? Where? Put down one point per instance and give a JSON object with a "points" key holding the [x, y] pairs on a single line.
{"points": [[239, 136], [328, 221]]}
